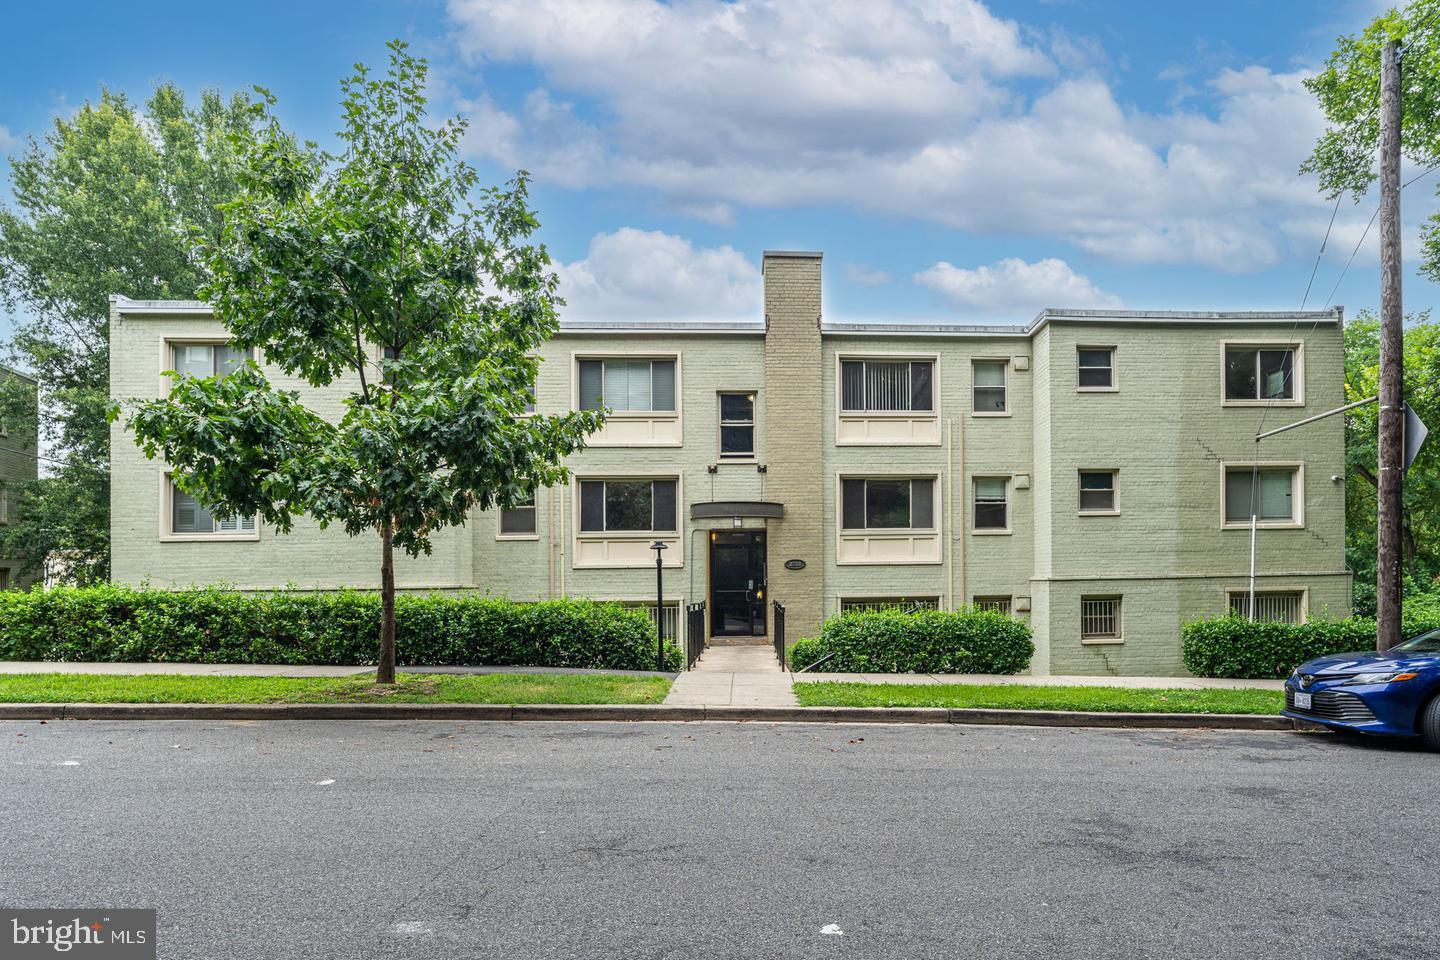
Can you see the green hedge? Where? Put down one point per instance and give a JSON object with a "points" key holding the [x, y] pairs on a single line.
{"points": [[1237, 648], [925, 641], [224, 626]]}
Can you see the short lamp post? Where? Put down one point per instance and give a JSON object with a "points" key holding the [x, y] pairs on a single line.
{"points": [[659, 547]]}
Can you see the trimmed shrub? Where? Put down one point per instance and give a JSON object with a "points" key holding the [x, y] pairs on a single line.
{"points": [[223, 626], [923, 641]]}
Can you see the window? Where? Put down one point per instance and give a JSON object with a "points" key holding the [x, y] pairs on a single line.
{"points": [[875, 604], [885, 504], [207, 359], [1097, 491], [871, 386], [4, 578], [990, 386], [190, 516], [1260, 373], [1096, 368], [996, 604], [628, 386], [4, 505], [1272, 606], [519, 521], [670, 610], [1100, 618], [627, 506], [737, 426], [991, 509], [1270, 491]]}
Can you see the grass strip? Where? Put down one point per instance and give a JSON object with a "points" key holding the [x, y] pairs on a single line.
{"points": [[1022, 697], [412, 688]]}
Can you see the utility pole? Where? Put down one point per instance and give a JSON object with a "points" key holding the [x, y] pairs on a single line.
{"points": [[1392, 413]]}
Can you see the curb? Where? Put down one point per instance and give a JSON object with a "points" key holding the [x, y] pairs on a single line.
{"points": [[635, 713]]}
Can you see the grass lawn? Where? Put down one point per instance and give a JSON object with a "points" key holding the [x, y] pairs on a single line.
{"points": [[1017, 697], [412, 688]]}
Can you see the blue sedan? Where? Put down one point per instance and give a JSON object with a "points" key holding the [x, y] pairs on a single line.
{"points": [[1395, 693]]}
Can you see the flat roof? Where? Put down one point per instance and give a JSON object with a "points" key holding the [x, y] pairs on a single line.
{"points": [[862, 328]]}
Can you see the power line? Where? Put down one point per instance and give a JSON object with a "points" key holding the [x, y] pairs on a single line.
{"points": [[1316, 268], [1366, 233]]}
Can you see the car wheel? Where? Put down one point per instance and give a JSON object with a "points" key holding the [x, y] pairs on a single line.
{"points": [[1428, 723]]}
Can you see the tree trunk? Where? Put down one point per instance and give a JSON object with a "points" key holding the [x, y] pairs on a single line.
{"points": [[385, 672]]}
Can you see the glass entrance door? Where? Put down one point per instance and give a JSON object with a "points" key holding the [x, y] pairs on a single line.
{"points": [[737, 583]]}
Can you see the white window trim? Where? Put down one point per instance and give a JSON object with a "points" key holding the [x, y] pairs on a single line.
{"points": [[167, 513], [501, 536], [1297, 345], [890, 533], [1114, 492], [1297, 495], [577, 356], [1008, 529], [1120, 612], [920, 416], [1009, 405], [1007, 599], [674, 554], [754, 456], [1232, 592], [167, 352], [1114, 368], [934, 601]]}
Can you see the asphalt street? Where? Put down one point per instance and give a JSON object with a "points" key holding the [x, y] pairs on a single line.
{"points": [[539, 840]]}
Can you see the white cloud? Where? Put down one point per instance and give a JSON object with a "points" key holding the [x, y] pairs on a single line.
{"points": [[1013, 287], [858, 273], [909, 108], [649, 275], [8, 141]]}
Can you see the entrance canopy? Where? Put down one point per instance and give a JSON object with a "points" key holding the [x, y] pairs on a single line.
{"points": [[736, 508]]}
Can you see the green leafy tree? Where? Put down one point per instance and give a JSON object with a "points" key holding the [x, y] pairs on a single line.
{"points": [[108, 202], [372, 270], [1420, 516], [1348, 90]]}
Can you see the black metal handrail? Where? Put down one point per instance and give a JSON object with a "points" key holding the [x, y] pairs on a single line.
{"points": [[694, 633], [778, 629]]}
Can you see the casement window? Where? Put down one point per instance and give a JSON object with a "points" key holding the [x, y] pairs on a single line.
{"points": [[876, 604], [1100, 620], [888, 504], [885, 386], [996, 604], [628, 385], [1272, 492], [1097, 491], [1095, 368], [627, 506], [990, 393], [737, 426], [206, 359], [518, 522], [992, 509], [1271, 606], [1265, 373], [191, 518]]}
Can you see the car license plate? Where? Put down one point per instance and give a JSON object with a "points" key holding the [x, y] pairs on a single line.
{"points": [[1302, 700]]}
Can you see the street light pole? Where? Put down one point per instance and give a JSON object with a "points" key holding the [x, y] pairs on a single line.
{"points": [[659, 547]]}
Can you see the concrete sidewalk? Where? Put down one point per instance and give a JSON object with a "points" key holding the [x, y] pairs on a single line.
{"points": [[739, 676], [1162, 683]]}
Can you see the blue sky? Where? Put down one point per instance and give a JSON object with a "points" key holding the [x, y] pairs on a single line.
{"points": [[955, 160]]}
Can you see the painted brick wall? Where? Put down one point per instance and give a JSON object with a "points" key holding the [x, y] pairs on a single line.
{"points": [[794, 406]]}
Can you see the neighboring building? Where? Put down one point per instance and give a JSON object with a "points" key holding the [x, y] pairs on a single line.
{"points": [[18, 467], [1089, 473]]}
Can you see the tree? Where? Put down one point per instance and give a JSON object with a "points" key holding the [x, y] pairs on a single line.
{"points": [[1420, 518], [1348, 92], [107, 203], [375, 271]]}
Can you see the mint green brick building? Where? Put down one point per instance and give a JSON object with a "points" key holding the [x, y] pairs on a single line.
{"points": [[1090, 472], [18, 466]]}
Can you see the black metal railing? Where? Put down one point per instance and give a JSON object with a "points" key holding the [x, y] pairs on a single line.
{"points": [[694, 633], [778, 629]]}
